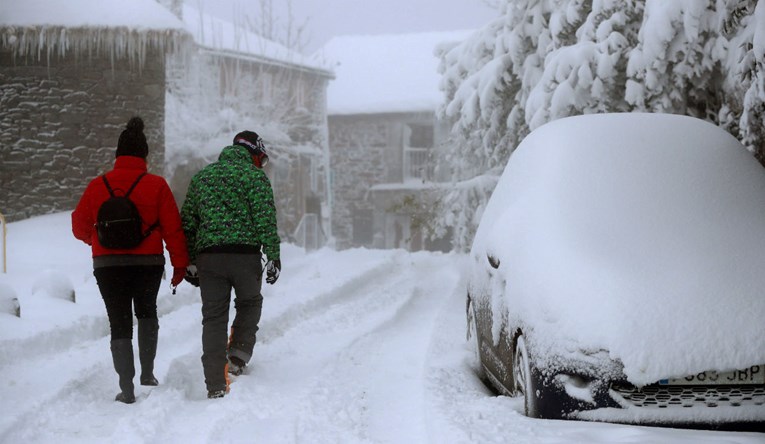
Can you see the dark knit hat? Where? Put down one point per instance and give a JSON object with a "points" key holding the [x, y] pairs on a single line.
{"points": [[132, 140]]}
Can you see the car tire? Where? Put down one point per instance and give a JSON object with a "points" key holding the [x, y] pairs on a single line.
{"points": [[473, 340], [523, 378]]}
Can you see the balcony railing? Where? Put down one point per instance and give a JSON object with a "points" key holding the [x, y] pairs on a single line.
{"points": [[416, 165]]}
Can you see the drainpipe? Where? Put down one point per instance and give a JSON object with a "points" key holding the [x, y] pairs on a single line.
{"points": [[327, 172], [2, 222]]}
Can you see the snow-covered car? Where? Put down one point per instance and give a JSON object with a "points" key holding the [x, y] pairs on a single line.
{"points": [[617, 274]]}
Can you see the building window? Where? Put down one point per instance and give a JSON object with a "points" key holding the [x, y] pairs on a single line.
{"points": [[418, 141]]}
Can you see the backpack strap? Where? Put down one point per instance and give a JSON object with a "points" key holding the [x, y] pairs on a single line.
{"points": [[154, 226], [111, 191], [108, 187], [134, 184]]}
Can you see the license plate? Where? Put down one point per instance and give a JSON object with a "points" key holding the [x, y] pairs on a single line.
{"points": [[752, 375]]}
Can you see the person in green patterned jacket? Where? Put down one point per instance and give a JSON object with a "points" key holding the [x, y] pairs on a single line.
{"points": [[229, 219]]}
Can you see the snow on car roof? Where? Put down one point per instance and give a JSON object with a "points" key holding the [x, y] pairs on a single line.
{"points": [[636, 233]]}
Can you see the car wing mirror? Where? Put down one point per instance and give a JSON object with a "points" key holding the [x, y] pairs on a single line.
{"points": [[493, 261]]}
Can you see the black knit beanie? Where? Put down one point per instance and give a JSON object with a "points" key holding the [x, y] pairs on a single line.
{"points": [[132, 140]]}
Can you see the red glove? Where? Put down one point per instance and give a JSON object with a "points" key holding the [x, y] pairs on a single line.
{"points": [[178, 273]]}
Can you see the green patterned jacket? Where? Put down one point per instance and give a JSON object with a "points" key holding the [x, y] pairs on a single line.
{"points": [[230, 202]]}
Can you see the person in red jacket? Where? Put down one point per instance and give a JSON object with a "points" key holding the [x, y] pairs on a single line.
{"points": [[131, 277]]}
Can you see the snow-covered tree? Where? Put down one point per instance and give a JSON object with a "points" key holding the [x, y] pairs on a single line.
{"points": [[675, 65], [484, 77], [587, 75], [541, 60], [742, 23]]}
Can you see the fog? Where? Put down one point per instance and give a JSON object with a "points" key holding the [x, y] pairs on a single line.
{"points": [[325, 19]]}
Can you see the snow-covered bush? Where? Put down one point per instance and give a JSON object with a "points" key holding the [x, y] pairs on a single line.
{"points": [[9, 303], [742, 23], [541, 60], [54, 284]]}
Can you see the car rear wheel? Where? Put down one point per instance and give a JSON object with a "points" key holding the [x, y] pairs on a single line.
{"points": [[473, 341], [523, 378]]}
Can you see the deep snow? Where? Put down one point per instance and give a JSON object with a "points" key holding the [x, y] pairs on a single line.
{"points": [[626, 233], [354, 346]]}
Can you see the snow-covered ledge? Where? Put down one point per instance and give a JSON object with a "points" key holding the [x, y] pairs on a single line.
{"points": [[119, 43], [125, 30]]}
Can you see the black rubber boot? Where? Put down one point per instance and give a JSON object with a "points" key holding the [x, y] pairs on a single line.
{"points": [[122, 355], [148, 333]]}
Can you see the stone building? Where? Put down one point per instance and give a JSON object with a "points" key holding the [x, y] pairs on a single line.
{"points": [[384, 137], [69, 81], [234, 80]]}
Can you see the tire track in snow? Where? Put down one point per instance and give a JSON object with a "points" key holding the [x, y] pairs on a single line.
{"points": [[25, 363], [382, 371], [179, 349], [277, 326], [286, 363]]}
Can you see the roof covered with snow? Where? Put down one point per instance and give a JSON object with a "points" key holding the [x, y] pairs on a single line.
{"points": [[126, 28], [138, 15], [121, 28], [385, 73], [220, 35]]}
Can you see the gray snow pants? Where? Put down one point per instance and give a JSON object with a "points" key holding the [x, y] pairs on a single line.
{"points": [[218, 274]]}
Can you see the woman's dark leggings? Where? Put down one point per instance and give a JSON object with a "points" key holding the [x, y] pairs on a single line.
{"points": [[123, 287]]}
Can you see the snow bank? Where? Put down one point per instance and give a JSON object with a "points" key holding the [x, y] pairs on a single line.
{"points": [[54, 284], [640, 234]]}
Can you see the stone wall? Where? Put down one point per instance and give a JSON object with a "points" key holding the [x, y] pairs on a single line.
{"points": [[60, 120], [365, 150]]}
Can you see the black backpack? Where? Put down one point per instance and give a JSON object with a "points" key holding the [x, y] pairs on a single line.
{"points": [[118, 224]]}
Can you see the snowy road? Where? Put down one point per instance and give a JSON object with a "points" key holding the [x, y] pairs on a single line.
{"points": [[359, 346]]}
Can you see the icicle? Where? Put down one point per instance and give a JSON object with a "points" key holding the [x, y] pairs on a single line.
{"points": [[114, 43]]}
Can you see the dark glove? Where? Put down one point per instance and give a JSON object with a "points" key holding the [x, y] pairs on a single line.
{"points": [[178, 273], [273, 268], [191, 275]]}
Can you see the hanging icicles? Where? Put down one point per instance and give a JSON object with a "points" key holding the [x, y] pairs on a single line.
{"points": [[116, 43]]}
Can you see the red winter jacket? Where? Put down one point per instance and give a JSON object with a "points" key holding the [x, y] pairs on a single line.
{"points": [[154, 200]]}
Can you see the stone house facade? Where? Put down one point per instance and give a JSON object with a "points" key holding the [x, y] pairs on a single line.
{"points": [[226, 85], [392, 155], [385, 139], [67, 91], [62, 113]]}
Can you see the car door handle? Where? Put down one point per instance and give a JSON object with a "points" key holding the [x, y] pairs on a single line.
{"points": [[493, 261]]}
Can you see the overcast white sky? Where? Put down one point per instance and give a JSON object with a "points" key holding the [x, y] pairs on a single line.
{"points": [[328, 18]]}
